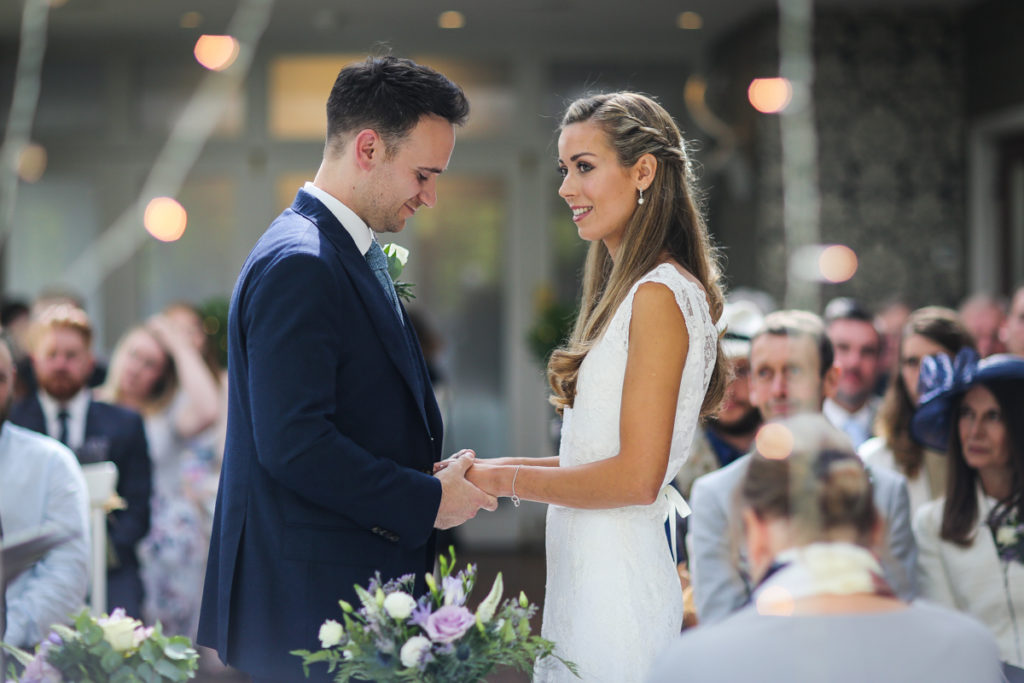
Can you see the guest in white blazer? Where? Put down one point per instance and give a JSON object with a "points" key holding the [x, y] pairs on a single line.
{"points": [[971, 542], [928, 331]]}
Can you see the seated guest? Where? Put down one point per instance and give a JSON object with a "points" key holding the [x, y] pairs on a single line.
{"points": [[791, 373], [928, 331], [971, 543], [858, 348], [822, 609], [60, 345], [42, 488]]}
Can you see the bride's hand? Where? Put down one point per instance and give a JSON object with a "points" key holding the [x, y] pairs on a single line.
{"points": [[464, 453], [487, 477]]}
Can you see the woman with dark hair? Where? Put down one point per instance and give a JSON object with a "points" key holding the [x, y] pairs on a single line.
{"points": [[640, 368], [971, 542], [822, 610], [928, 331]]}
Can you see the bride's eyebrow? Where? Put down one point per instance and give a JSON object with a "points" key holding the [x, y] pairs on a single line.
{"points": [[576, 156]]}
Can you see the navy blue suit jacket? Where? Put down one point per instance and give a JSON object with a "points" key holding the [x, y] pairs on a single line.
{"points": [[332, 433], [116, 434]]}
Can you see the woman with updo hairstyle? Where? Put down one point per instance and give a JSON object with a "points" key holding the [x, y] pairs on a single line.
{"points": [[971, 541], [928, 331], [640, 368], [821, 609]]}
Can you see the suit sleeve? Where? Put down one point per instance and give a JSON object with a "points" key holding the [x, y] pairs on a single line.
{"points": [[56, 585], [718, 588], [295, 325], [932, 577], [134, 485], [902, 566]]}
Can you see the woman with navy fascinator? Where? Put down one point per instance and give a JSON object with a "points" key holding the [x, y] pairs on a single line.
{"points": [[971, 542]]}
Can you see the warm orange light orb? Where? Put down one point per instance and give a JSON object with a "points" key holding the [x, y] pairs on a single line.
{"points": [[216, 53], [689, 21], [837, 263], [165, 219], [451, 19], [774, 441], [32, 162], [770, 95]]}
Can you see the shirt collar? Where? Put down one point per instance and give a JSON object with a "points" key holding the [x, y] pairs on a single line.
{"points": [[361, 233]]}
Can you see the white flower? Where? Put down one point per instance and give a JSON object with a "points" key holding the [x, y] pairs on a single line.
{"points": [[413, 651], [119, 630], [1006, 535], [331, 633], [399, 605], [401, 253]]}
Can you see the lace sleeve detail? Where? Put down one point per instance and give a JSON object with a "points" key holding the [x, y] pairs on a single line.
{"points": [[700, 358]]}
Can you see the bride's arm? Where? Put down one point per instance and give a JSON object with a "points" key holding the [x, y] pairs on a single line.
{"points": [[658, 343]]}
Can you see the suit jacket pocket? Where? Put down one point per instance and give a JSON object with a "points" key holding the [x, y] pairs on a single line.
{"points": [[337, 545]]}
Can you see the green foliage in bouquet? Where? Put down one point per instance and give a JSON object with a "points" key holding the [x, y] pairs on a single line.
{"points": [[394, 637], [111, 649]]}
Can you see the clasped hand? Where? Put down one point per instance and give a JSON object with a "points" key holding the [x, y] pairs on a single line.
{"points": [[460, 499]]}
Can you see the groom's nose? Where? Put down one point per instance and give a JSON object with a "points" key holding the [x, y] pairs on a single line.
{"points": [[428, 195]]}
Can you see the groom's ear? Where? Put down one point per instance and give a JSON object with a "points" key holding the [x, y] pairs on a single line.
{"points": [[368, 148]]}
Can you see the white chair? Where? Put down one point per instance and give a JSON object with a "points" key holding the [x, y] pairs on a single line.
{"points": [[101, 480]]}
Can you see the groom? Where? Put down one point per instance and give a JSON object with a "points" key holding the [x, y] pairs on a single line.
{"points": [[332, 423]]}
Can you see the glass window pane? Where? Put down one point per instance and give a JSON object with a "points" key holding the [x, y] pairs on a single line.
{"points": [[298, 90]]}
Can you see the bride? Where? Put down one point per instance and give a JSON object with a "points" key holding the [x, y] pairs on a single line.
{"points": [[642, 365]]}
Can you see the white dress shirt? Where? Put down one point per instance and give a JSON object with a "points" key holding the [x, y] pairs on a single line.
{"points": [[77, 407], [41, 485], [859, 425], [356, 226]]}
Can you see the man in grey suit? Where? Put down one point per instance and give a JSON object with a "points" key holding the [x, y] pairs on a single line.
{"points": [[791, 372]]}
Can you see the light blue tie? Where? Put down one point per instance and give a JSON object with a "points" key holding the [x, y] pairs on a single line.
{"points": [[378, 263]]}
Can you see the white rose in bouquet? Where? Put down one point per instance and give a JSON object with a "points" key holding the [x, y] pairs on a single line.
{"points": [[413, 650], [119, 630], [331, 633], [399, 605]]}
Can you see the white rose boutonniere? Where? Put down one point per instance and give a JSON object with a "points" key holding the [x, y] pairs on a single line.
{"points": [[398, 256], [331, 633]]}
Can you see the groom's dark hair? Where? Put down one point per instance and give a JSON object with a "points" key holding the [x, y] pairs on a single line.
{"points": [[389, 95]]}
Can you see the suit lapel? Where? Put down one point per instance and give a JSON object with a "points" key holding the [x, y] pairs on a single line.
{"points": [[385, 322], [32, 417]]}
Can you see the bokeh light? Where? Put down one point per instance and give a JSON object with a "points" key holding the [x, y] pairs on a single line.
{"points": [[775, 601], [837, 263], [165, 219], [690, 21], [190, 19], [451, 19], [216, 53], [770, 95], [32, 162], [774, 441]]}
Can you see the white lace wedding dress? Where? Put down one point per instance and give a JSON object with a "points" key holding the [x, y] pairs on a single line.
{"points": [[613, 598]]}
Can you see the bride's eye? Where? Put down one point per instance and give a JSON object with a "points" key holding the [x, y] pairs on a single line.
{"points": [[563, 171]]}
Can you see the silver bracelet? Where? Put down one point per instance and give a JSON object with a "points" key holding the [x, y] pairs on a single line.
{"points": [[515, 498]]}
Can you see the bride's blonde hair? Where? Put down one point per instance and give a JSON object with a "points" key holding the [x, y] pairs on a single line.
{"points": [[669, 221]]}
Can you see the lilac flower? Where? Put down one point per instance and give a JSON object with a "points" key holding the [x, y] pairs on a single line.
{"points": [[454, 593], [448, 623], [420, 615], [40, 671]]}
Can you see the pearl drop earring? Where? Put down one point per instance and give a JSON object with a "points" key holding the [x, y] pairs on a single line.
{"points": [[641, 200]]}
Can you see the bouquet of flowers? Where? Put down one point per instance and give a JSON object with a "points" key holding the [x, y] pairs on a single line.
{"points": [[111, 649], [394, 637]]}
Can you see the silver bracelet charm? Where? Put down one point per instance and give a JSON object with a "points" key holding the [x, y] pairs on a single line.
{"points": [[515, 499]]}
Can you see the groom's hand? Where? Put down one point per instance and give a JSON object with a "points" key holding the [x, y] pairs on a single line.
{"points": [[460, 500]]}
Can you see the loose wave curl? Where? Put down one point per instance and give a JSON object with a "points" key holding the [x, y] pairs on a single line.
{"points": [[669, 221]]}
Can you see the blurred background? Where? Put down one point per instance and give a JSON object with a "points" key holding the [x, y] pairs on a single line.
{"points": [[916, 110]]}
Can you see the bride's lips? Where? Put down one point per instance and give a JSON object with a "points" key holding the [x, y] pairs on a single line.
{"points": [[580, 212]]}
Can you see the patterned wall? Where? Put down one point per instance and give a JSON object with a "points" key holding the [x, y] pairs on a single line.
{"points": [[889, 99]]}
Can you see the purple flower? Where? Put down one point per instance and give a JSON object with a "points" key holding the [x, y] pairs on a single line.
{"points": [[420, 615], [454, 593], [40, 671], [448, 623]]}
